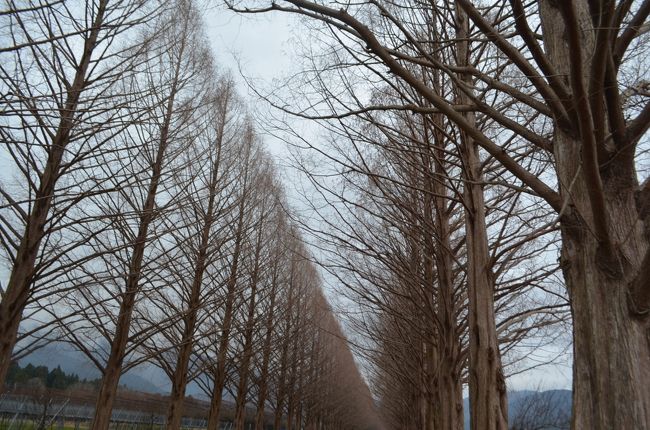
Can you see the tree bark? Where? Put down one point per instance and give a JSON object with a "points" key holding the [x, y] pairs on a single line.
{"points": [[611, 342], [487, 387], [611, 347]]}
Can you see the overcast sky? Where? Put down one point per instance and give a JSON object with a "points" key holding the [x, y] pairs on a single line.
{"points": [[259, 44]]}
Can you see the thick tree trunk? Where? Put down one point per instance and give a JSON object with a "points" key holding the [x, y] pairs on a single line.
{"points": [[611, 342], [611, 345], [18, 288], [448, 400], [611, 348], [487, 387]]}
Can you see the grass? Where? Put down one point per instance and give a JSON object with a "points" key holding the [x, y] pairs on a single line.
{"points": [[31, 424]]}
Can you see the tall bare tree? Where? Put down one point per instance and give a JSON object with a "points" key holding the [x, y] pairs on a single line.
{"points": [[207, 205], [59, 73], [245, 205]]}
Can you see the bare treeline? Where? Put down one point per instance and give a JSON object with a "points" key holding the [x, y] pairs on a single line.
{"points": [[142, 221], [485, 182]]}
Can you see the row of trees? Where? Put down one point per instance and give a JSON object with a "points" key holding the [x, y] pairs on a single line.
{"points": [[449, 274], [475, 143], [142, 221]]}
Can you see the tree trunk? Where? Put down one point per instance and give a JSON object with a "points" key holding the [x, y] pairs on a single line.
{"points": [[179, 379], [611, 346], [291, 401], [296, 359], [487, 387], [224, 339], [219, 378], [448, 396], [244, 368], [266, 354], [18, 288], [611, 343], [447, 390], [284, 356], [279, 405], [113, 369]]}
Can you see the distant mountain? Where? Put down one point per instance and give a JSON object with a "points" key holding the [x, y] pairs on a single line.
{"points": [[143, 378], [60, 354], [539, 410]]}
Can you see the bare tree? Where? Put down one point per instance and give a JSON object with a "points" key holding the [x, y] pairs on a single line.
{"points": [[248, 178], [267, 207], [395, 226], [62, 63], [542, 410], [152, 227], [278, 255], [207, 204]]}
